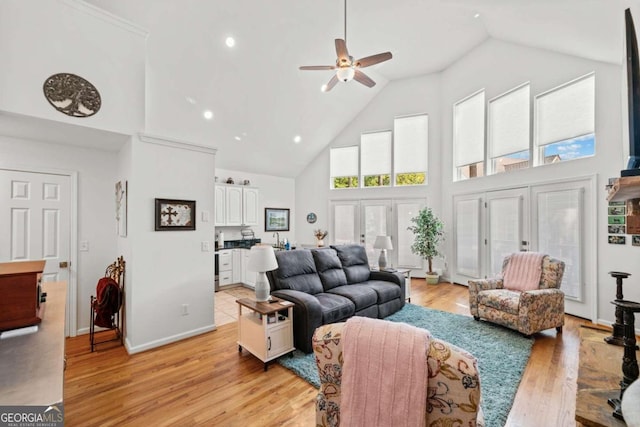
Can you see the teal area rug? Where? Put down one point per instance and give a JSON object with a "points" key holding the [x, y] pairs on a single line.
{"points": [[502, 355]]}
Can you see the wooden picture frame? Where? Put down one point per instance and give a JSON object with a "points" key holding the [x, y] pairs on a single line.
{"points": [[175, 215], [276, 219]]}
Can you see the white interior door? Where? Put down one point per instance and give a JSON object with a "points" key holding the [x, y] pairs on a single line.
{"points": [[404, 211], [35, 215], [507, 226], [468, 247]]}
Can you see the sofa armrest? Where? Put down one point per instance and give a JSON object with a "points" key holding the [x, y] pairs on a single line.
{"points": [[475, 286], [307, 316], [454, 386]]}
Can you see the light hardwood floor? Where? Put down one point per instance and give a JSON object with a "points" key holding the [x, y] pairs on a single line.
{"points": [[205, 381]]}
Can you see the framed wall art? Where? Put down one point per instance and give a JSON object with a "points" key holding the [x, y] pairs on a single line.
{"points": [[276, 219], [175, 215]]}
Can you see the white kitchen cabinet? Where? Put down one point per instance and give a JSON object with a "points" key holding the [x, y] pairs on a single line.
{"points": [[220, 206], [248, 277], [250, 212], [225, 267], [237, 265], [236, 205]]}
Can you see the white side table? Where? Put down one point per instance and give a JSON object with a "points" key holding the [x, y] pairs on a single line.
{"points": [[263, 328], [406, 272]]}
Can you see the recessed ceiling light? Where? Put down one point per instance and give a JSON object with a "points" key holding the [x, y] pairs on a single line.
{"points": [[297, 139], [230, 41], [323, 88], [237, 138], [208, 114], [476, 15]]}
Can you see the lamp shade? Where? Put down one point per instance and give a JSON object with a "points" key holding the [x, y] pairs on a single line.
{"points": [[383, 242], [262, 258]]}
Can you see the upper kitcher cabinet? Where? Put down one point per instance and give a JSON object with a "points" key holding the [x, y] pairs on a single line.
{"points": [[236, 205], [39, 39]]}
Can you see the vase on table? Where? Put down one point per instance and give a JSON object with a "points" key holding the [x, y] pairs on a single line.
{"points": [[320, 243]]}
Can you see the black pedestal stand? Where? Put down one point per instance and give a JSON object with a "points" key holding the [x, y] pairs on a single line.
{"points": [[617, 337], [629, 361]]}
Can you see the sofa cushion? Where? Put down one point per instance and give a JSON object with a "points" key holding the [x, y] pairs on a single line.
{"points": [[362, 296], [385, 291], [500, 299], [335, 307], [329, 268], [354, 262], [296, 270]]}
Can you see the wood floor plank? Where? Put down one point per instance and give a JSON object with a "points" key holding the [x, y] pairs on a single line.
{"points": [[205, 381]]}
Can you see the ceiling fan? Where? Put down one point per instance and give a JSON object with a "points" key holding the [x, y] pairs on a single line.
{"points": [[346, 67]]}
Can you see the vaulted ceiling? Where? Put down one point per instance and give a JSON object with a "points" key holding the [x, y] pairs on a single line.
{"points": [[259, 98]]}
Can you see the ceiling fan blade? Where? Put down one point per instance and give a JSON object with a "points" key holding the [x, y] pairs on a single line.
{"points": [[341, 51], [318, 67], [364, 79], [332, 83], [373, 59]]}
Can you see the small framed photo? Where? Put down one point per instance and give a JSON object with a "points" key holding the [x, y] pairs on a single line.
{"points": [[616, 229], [175, 215], [617, 203], [617, 240], [617, 210], [276, 219], [635, 240], [617, 219]]}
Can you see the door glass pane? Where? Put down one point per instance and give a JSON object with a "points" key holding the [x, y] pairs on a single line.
{"points": [[504, 226], [405, 212], [374, 224], [468, 237], [344, 224], [559, 225]]}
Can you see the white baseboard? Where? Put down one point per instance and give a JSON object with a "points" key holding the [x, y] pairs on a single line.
{"points": [[167, 340]]}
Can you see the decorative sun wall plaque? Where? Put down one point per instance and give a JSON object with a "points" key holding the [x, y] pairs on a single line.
{"points": [[72, 95]]}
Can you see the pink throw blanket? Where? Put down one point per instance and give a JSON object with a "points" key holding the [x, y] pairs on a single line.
{"points": [[384, 374], [523, 271]]}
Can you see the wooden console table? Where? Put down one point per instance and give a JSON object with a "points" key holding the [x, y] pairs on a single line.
{"points": [[599, 376]]}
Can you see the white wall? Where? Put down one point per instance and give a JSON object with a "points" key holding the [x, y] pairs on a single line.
{"points": [[96, 171], [168, 268], [275, 192], [498, 66], [399, 98], [42, 38]]}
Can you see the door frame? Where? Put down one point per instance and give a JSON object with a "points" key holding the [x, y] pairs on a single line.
{"points": [[71, 321]]}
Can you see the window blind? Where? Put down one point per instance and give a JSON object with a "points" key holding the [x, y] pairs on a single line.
{"points": [[375, 153], [566, 111], [410, 142], [468, 130], [343, 161], [508, 122]]}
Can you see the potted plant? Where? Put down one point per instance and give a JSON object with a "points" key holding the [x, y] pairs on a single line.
{"points": [[428, 232]]}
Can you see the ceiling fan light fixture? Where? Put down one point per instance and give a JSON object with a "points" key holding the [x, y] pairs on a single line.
{"points": [[345, 74]]}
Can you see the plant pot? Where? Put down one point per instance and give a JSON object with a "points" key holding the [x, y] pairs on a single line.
{"points": [[432, 279], [320, 243]]}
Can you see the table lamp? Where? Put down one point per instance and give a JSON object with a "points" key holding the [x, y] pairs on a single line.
{"points": [[383, 243], [262, 258]]}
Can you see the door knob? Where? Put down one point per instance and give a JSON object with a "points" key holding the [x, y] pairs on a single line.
{"points": [[64, 264]]}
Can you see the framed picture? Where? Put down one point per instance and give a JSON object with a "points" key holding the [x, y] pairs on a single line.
{"points": [[617, 220], [175, 215], [616, 210], [276, 219], [617, 240], [635, 240], [616, 229], [121, 208]]}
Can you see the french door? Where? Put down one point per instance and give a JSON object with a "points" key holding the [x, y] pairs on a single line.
{"points": [[555, 218], [361, 221]]}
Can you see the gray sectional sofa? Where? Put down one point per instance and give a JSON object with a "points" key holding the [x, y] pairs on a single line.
{"points": [[330, 285]]}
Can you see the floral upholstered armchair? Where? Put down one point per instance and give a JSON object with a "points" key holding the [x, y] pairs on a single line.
{"points": [[527, 311], [453, 390]]}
